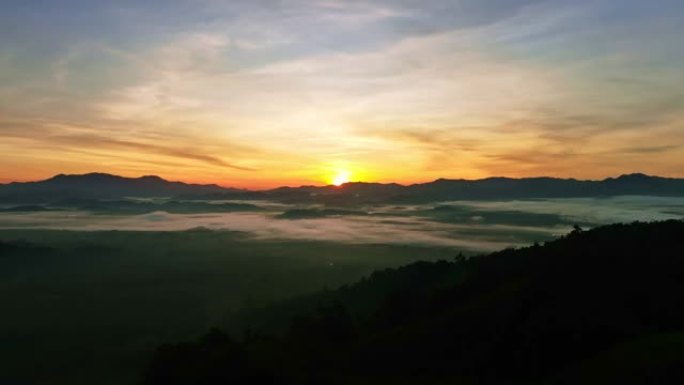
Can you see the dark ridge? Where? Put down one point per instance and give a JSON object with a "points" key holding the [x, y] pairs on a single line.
{"points": [[594, 307], [103, 186], [99, 185]]}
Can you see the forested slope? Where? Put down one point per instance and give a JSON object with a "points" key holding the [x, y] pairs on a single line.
{"points": [[597, 306]]}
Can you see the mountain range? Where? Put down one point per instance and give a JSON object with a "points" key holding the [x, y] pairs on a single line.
{"points": [[107, 186], [100, 185]]}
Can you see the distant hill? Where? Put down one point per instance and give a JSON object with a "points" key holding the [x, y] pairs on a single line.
{"points": [[99, 185], [602, 306], [496, 188], [489, 188]]}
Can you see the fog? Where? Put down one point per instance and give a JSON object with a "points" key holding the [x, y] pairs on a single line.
{"points": [[472, 225]]}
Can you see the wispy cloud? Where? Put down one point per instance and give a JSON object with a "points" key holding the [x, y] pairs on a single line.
{"points": [[285, 88], [174, 152]]}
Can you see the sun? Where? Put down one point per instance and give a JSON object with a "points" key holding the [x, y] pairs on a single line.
{"points": [[341, 178]]}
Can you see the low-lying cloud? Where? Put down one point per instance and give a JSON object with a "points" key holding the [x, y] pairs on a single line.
{"points": [[467, 225]]}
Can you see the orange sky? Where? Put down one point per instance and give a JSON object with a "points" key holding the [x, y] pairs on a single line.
{"points": [[236, 94]]}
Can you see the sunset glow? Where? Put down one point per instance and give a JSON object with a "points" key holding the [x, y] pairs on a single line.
{"points": [[236, 94], [340, 191], [341, 178]]}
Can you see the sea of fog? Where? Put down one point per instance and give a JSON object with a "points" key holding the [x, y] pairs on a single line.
{"points": [[470, 225]]}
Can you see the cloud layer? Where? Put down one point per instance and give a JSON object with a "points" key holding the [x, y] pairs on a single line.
{"points": [[261, 93], [466, 225]]}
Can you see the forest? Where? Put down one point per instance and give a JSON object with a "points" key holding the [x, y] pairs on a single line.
{"points": [[595, 306]]}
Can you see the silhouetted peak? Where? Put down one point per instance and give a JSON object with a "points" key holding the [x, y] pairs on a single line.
{"points": [[92, 175], [99, 185], [58, 177], [152, 178], [635, 176], [101, 176], [636, 179], [442, 181]]}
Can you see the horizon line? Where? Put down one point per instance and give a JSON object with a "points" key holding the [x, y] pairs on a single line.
{"points": [[347, 183]]}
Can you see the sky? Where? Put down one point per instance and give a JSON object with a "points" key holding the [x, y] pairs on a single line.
{"points": [[264, 93]]}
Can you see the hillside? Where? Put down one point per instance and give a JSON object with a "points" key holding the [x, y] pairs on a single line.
{"points": [[598, 306]]}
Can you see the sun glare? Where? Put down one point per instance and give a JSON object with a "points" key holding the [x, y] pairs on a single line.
{"points": [[341, 178]]}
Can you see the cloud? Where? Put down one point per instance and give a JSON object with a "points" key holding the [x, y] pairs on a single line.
{"points": [[651, 149], [103, 142], [390, 225], [286, 88]]}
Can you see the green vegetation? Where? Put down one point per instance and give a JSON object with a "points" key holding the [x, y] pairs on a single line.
{"points": [[89, 307], [318, 213], [596, 306], [569, 311], [465, 214]]}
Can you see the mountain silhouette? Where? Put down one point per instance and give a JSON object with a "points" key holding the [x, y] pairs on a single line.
{"points": [[489, 188], [99, 185]]}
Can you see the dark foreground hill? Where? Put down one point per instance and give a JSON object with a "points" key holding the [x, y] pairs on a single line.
{"points": [[603, 306]]}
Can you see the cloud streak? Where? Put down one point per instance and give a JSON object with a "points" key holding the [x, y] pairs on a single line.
{"points": [[102, 142], [289, 89]]}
